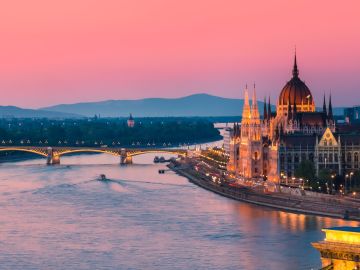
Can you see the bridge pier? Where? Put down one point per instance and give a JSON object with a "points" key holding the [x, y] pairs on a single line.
{"points": [[52, 158], [124, 158]]}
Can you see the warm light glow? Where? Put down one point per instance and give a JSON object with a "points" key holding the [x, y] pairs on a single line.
{"points": [[342, 236]]}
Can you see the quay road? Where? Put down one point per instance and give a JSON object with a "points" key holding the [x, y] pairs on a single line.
{"points": [[209, 178]]}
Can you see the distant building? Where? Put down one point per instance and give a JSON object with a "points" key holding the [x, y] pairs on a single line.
{"points": [[352, 115], [131, 121], [341, 248], [228, 132]]}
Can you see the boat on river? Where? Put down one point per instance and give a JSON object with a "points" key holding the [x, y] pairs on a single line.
{"points": [[103, 178]]}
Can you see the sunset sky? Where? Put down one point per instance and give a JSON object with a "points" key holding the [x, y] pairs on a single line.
{"points": [[84, 50]]}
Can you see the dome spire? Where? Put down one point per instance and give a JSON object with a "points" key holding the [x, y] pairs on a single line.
{"points": [[295, 71]]}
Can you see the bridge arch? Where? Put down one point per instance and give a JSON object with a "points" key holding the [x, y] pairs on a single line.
{"points": [[70, 151], [19, 149], [142, 152]]}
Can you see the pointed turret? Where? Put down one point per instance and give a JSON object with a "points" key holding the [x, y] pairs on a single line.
{"points": [[265, 110], [254, 106], [330, 113], [269, 109], [295, 71], [324, 106], [246, 108]]}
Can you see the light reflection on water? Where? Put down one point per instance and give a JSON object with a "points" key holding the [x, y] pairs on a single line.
{"points": [[60, 217]]}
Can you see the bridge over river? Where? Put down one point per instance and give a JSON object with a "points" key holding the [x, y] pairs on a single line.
{"points": [[53, 154]]}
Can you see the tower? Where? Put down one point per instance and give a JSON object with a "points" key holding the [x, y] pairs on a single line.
{"points": [[131, 121]]}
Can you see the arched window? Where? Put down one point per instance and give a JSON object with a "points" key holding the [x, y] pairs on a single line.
{"points": [[336, 157], [356, 160], [330, 157], [320, 158], [330, 142], [296, 158], [348, 157], [256, 155], [325, 142]]}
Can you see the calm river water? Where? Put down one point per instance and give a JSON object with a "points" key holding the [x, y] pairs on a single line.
{"points": [[60, 217]]}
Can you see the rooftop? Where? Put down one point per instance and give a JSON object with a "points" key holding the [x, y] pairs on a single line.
{"points": [[345, 229]]}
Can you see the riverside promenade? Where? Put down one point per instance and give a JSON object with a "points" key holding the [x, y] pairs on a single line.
{"points": [[335, 207]]}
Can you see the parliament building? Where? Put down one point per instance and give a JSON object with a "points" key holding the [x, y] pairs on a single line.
{"points": [[274, 144]]}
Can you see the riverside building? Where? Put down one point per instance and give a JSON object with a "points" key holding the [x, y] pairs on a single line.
{"points": [[273, 146]]}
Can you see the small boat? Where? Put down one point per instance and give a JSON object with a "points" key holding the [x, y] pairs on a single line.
{"points": [[156, 159], [162, 160], [102, 177]]}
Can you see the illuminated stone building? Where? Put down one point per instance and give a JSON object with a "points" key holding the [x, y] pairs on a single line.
{"points": [[278, 142], [341, 248]]}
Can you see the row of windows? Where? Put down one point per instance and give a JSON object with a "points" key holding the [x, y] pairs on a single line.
{"points": [[296, 157], [323, 157]]}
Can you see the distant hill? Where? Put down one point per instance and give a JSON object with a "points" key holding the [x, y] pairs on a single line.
{"points": [[201, 105], [194, 105], [16, 112]]}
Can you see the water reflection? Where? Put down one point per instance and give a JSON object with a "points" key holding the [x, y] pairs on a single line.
{"points": [[57, 217]]}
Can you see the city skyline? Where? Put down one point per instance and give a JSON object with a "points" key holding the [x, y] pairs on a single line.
{"points": [[89, 51]]}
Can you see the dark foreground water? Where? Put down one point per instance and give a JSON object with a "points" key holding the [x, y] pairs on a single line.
{"points": [[60, 217]]}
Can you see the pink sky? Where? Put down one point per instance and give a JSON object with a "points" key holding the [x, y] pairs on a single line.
{"points": [[84, 50]]}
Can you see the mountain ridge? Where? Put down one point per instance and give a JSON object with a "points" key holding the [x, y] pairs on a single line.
{"points": [[191, 105], [201, 104], [17, 112]]}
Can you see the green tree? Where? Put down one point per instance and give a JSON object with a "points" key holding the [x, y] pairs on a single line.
{"points": [[306, 170]]}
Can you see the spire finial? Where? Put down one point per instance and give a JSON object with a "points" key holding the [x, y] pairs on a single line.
{"points": [[295, 70]]}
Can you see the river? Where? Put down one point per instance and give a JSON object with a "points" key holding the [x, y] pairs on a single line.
{"points": [[60, 217]]}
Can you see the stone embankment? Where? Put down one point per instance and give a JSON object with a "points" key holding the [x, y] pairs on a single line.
{"points": [[336, 208]]}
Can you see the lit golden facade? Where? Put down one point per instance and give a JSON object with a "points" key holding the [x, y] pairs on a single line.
{"points": [[341, 248], [251, 155]]}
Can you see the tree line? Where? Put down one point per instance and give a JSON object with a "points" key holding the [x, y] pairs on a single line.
{"points": [[102, 131]]}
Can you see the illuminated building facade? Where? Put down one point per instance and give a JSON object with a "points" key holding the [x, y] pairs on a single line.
{"points": [[340, 250], [277, 143]]}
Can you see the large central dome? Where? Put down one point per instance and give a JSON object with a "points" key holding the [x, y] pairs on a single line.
{"points": [[296, 92]]}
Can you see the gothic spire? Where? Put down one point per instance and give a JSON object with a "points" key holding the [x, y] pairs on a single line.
{"points": [[295, 70], [265, 110], [269, 109], [254, 106], [324, 106], [330, 113], [246, 107]]}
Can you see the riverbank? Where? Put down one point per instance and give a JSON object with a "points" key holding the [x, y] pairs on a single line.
{"points": [[335, 208]]}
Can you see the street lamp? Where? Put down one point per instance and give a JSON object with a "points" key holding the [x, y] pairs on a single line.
{"points": [[351, 174], [346, 177]]}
